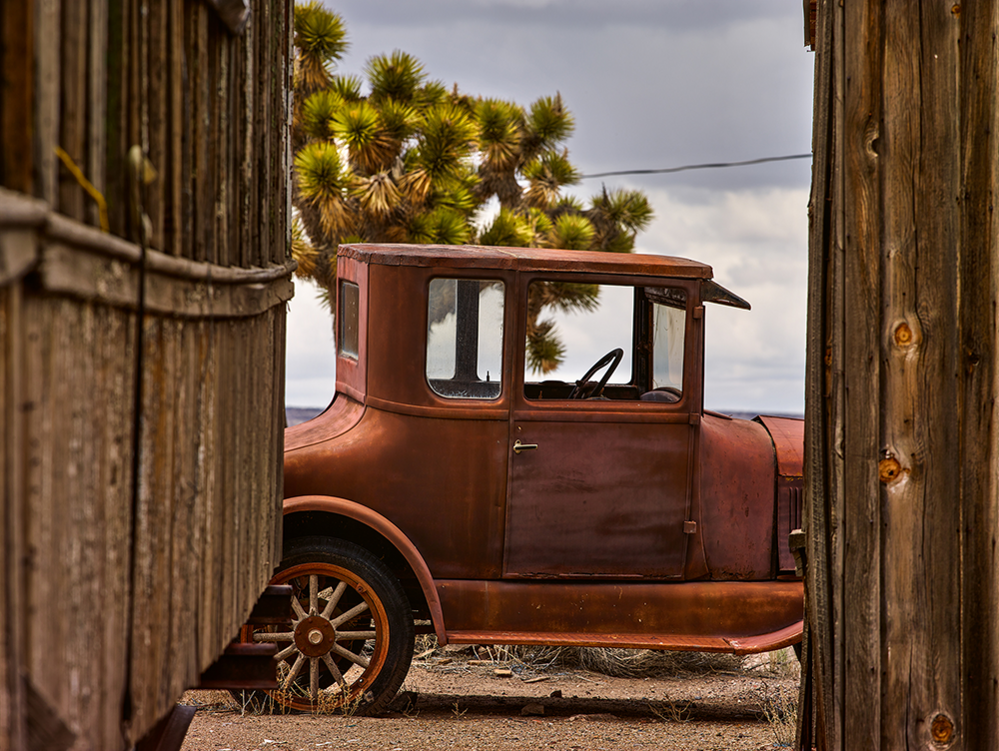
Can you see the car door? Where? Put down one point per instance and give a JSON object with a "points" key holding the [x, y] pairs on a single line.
{"points": [[600, 487]]}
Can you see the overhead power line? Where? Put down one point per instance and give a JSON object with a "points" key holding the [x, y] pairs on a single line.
{"points": [[714, 165]]}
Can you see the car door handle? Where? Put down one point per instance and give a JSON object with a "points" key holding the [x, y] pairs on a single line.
{"points": [[518, 446]]}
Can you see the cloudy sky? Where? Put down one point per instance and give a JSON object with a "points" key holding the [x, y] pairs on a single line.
{"points": [[652, 84]]}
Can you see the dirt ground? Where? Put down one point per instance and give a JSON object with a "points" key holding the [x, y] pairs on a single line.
{"points": [[458, 702]]}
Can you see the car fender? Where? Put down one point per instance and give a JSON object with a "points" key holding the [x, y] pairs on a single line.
{"points": [[388, 530]]}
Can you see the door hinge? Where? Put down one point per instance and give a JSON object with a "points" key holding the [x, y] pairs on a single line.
{"points": [[690, 528]]}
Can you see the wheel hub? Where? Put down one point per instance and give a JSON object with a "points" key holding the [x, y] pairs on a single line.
{"points": [[314, 636]]}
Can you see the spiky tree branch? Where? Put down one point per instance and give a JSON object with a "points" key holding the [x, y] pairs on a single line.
{"points": [[414, 161]]}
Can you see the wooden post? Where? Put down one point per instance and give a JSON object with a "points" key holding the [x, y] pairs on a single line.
{"points": [[901, 442]]}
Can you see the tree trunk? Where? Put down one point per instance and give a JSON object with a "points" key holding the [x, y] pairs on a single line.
{"points": [[901, 499]]}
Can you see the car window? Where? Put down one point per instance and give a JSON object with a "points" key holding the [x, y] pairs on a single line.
{"points": [[607, 342], [465, 338], [570, 328], [669, 317], [348, 320]]}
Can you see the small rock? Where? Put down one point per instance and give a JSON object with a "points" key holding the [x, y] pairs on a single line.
{"points": [[592, 717], [556, 694], [533, 710]]}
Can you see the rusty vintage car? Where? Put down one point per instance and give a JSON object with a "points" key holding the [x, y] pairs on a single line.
{"points": [[446, 489]]}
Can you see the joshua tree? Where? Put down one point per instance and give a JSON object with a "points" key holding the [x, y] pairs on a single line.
{"points": [[413, 161]]}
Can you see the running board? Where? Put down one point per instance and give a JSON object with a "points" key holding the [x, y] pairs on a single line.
{"points": [[785, 637]]}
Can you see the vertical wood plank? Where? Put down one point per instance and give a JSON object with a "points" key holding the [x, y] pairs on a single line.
{"points": [[901, 440], [115, 370], [177, 168], [201, 176], [858, 300], [47, 99], [9, 649], [979, 335], [17, 76], [97, 101], [921, 557], [72, 133], [253, 146], [12, 620], [158, 97], [116, 120]]}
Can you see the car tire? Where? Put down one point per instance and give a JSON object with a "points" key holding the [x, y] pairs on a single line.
{"points": [[350, 644]]}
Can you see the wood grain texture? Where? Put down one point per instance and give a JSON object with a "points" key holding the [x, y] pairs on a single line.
{"points": [[901, 500], [113, 604], [17, 79], [979, 352], [208, 108]]}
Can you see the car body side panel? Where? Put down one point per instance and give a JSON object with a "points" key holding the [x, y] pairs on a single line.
{"points": [[788, 435], [397, 321], [736, 500], [342, 415], [443, 481], [605, 502], [351, 373]]}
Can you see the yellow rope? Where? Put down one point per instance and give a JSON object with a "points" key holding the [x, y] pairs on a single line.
{"points": [[102, 206]]}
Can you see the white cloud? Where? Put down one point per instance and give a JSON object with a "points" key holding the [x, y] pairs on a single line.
{"points": [[756, 241], [310, 377]]}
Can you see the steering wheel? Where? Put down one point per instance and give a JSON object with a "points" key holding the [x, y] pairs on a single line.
{"points": [[584, 389]]}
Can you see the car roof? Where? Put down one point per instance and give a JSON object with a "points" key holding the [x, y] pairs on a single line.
{"points": [[525, 259]]}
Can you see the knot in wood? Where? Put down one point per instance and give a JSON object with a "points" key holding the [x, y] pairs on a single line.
{"points": [[889, 470], [956, 9], [942, 729], [903, 335]]}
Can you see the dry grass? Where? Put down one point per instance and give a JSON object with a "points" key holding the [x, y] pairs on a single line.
{"points": [[668, 710], [780, 708], [779, 664], [620, 663]]}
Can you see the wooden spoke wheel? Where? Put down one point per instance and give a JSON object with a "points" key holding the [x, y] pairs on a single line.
{"points": [[351, 641]]}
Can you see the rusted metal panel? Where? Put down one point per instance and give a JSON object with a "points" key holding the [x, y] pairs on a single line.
{"points": [[789, 441], [788, 437], [336, 420], [455, 467], [352, 373], [244, 666], [608, 507], [736, 503], [537, 259], [621, 613]]}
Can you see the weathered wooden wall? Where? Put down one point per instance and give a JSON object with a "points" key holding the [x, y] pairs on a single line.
{"points": [[208, 107], [141, 376], [902, 441]]}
